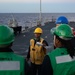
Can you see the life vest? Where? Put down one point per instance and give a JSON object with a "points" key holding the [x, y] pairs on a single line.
{"points": [[61, 62], [37, 53], [11, 64]]}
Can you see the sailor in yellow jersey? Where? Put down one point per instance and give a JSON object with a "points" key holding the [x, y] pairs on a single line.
{"points": [[37, 51]]}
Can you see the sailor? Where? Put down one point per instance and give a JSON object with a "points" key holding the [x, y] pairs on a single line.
{"points": [[73, 31], [62, 20], [10, 63], [37, 51], [61, 61]]}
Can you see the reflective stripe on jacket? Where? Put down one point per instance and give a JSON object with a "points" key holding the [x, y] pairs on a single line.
{"points": [[11, 64], [61, 62]]}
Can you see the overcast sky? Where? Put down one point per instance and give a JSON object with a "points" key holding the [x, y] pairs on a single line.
{"points": [[33, 6]]}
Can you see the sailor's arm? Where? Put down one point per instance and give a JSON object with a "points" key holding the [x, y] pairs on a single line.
{"points": [[45, 43]]}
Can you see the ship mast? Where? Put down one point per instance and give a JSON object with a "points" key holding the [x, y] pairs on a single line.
{"points": [[40, 15], [40, 12]]}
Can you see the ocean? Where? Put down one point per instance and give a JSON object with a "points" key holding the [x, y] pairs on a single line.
{"points": [[30, 19]]}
